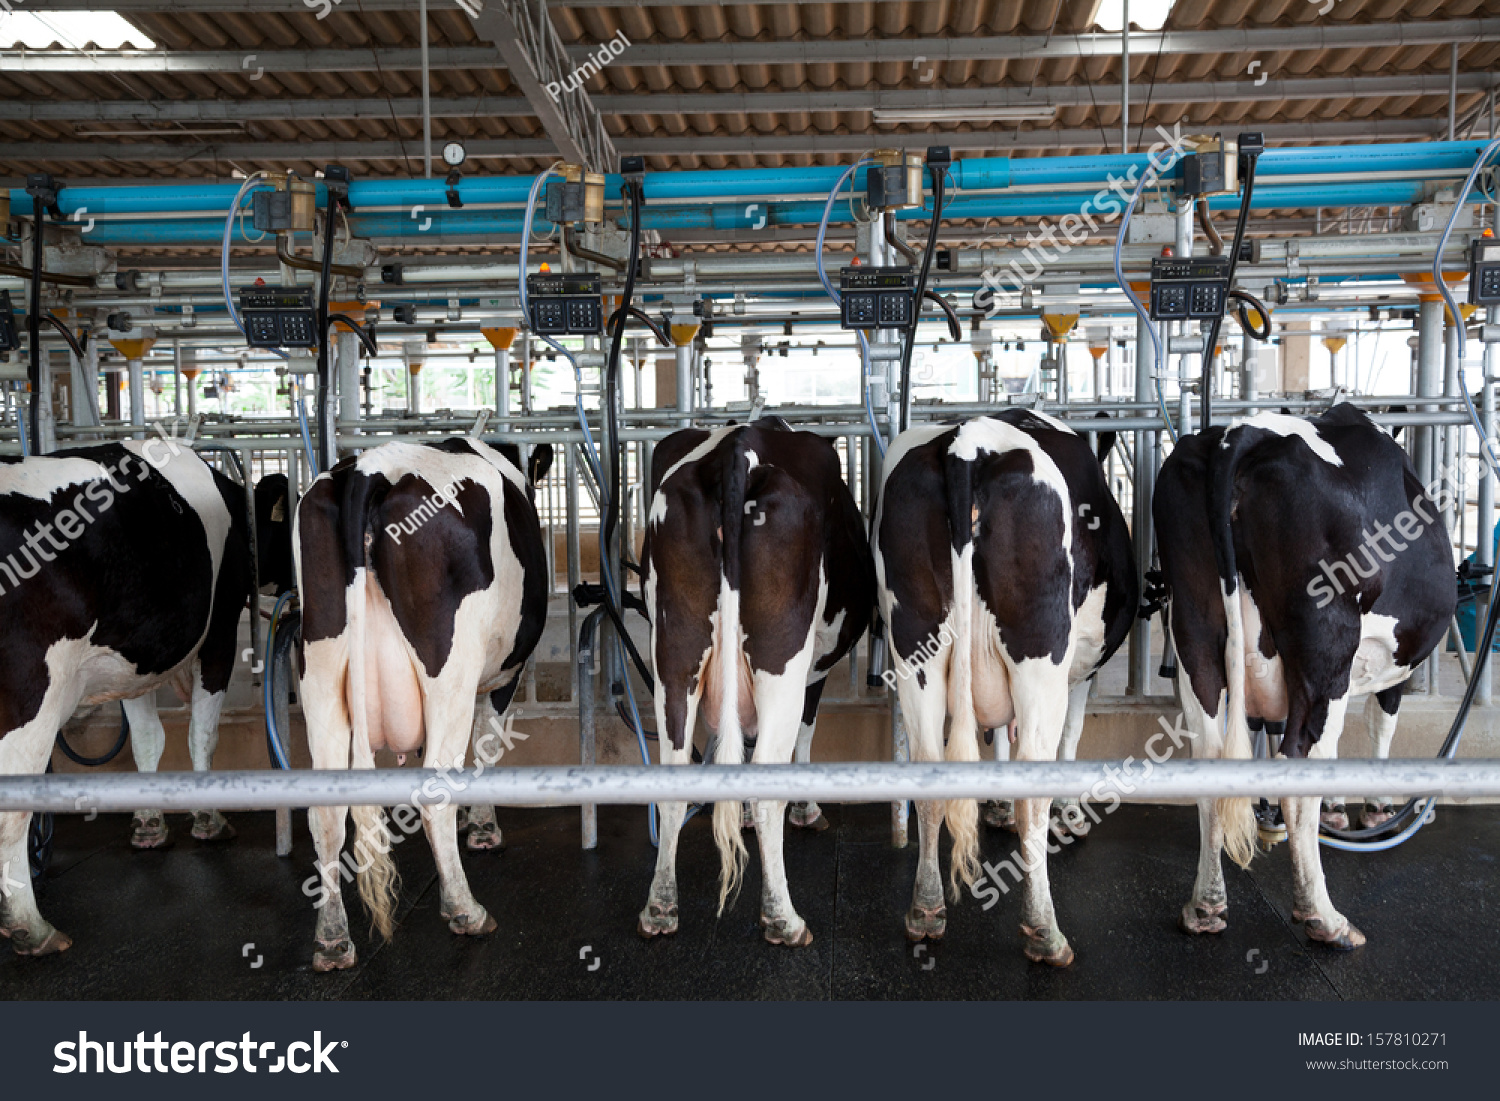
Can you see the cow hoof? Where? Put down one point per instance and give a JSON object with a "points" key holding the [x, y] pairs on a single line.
{"points": [[461, 820], [807, 816], [1334, 816], [1000, 815], [1375, 815], [1047, 946], [657, 920], [476, 925], [47, 942], [149, 832], [926, 924], [1198, 917], [1076, 824], [1346, 939], [782, 931], [338, 956], [483, 837], [210, 825]]}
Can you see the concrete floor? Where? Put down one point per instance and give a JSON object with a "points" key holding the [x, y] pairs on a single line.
{"points": [[231, 922]]}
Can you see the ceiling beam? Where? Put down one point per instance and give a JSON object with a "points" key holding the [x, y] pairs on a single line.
{"points": [[260, 153], [719, 103], [822, 51], [537, 58]]}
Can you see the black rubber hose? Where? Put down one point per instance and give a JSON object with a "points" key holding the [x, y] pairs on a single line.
{"points": [[1262, 334], [365, 336], [1460, 718], [939, 175], [630, 191], [955, 329], [95, 762], [1205, 405], [34, 331], [67, 334], [645, 319]]}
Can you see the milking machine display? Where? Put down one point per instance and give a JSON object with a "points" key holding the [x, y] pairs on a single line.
{"points": [[496, 507]]}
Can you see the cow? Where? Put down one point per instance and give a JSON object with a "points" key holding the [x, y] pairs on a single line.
{"points": [[1283, 606], [123, 567], [273, 533], [424, 586], [757, 580], [1006, 579]]}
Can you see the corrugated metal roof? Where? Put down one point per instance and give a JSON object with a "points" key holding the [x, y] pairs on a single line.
{"points": [[684, 27]]}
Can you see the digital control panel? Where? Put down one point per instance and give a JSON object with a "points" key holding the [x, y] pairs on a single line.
{"points": [[10, 339], [876, 297], [279, 317], [1194, 288], [1484, 272], [565, 305]]}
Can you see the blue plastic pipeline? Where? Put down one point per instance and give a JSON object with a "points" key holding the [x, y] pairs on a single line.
{"points": [[439, 224], [975, 174]]}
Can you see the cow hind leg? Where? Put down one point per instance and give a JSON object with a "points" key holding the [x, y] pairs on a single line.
{"points": [[1381, 713], [1000, 814], [449, 715], [328, 738], [1040, 690], [148, 827], [808, 815], [24, 752], [1067, 810], [676, 713], [924, 707], [203, 740], [778, 706], [1208, 910], [478, 823], [1310, 902]]}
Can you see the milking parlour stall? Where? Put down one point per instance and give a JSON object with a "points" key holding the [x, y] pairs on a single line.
{"points": [[674, 519]]}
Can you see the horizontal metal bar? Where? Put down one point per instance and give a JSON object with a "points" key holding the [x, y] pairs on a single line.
{"points": [[1006, 141], [855, 782], [653, 103]]}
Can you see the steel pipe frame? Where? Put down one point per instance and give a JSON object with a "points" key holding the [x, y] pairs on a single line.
{"points": [[855, 782]]}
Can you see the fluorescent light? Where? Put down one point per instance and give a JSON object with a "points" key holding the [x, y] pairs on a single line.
{"points": [[37, 30], [1041, 112], [1148, 15]]}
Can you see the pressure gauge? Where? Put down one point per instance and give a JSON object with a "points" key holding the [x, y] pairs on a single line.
{"points": [[453, 154]]}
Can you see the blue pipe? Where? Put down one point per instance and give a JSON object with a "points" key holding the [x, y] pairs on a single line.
{"points": [[980, 173], [446, 222]]}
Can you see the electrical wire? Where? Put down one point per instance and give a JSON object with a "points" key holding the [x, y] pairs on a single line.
{"points": [[939, 176]]}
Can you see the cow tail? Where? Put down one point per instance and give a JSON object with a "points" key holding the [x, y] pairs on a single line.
{"points": [[730, 746], [1235, 815], [963, 734], [378, 883]]}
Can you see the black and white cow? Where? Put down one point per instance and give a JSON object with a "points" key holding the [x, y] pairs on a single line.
{"points": [[757, 579], [423, 580], [1306, 564], [1006, 580], [123, 567]]}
